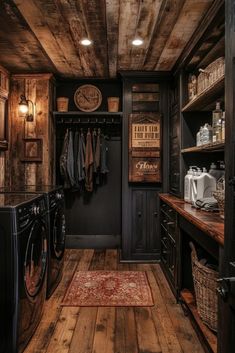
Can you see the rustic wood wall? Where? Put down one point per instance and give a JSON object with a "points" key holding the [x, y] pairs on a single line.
{"points": [[2, 168], [39, 89]]}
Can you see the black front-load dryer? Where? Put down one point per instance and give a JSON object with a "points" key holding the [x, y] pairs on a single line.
{"points": [[56, 219], [23, 264]]}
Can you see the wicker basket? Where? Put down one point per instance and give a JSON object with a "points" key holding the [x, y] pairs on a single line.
{"points": [[210, 74], [205, 284]]}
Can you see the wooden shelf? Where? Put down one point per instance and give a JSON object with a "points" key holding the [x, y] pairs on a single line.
{"points": [[208, 337], [204, 100], [79, 113], [209, 147]]}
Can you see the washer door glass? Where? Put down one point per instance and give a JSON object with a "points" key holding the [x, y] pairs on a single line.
{"points": [[35, 259], [59, 233]]}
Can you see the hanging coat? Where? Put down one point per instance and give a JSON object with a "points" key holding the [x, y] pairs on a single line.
{"points": [[81, 158], [63, 161], [70, 160], [103, 155], [89, 163], [75, 155]]}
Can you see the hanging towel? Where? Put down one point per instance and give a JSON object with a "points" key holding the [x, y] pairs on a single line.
{"points": [[94, 138], [75, 155], [63, 161], [104, 155], [70, 160], [97, 151], [81, 158], [89, 163]]}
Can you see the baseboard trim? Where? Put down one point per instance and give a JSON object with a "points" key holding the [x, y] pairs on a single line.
{"points": [[96, 241]]}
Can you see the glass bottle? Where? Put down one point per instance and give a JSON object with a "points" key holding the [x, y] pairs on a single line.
{"points": [[217, 123]]}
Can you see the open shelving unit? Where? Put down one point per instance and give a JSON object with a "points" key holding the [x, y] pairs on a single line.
{"points": [[206, 98], [208, 336], [209, 147]]}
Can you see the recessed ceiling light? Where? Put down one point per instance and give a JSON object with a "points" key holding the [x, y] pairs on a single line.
{"points": [[137, 42], [86, 42]]}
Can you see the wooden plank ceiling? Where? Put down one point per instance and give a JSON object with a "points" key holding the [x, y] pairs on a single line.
{"points": [[44, 36]]}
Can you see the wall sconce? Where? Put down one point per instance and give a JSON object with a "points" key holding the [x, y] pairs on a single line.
{"points": [[24, 108]]}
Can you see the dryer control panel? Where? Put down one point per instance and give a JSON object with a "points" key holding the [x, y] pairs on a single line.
{"points": [[29, 211]]}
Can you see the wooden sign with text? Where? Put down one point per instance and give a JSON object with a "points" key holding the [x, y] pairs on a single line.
{"points": [[145, 147]]}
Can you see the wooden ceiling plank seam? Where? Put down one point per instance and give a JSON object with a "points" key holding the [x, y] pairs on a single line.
{"points": [[202, 29], [127, 28], [36, 21], [95, 20], [183, 30], [146, 23], [19, 47], [112, 19], [168, 16]]}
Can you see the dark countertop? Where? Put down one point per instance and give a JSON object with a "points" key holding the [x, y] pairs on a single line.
{"points": [[209, 222]]}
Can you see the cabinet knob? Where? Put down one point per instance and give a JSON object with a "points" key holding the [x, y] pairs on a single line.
{"points": [[139, 214], [155, 214]]}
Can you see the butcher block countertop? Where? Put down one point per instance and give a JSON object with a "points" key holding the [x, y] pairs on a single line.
{"points": [[209, 222]]}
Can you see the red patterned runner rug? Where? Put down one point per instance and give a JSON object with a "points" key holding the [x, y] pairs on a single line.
{"points": [[108, 288]]}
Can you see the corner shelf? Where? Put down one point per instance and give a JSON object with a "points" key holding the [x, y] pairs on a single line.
{"points": [[206, 98], [209, 147], [208, 337]]}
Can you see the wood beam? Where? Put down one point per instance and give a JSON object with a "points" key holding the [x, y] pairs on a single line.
{"points": [[37, 18], [129, 10], [188, 20], [112, 19], [167, 18], [20, 50], [145, 25]]}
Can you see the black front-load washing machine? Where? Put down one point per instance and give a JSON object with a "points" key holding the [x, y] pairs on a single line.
{"points": [[56, 220], [23, 264]]}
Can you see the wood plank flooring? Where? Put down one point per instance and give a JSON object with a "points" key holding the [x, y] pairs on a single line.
{"points": [[162, 328]]}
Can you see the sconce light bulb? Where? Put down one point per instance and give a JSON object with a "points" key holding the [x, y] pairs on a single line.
{"points": [[24, 109]]}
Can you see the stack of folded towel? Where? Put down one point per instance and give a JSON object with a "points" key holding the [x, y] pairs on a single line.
{"points": [[207, 204]]}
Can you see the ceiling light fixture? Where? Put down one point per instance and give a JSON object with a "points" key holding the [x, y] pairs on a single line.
{"points": [[86, 42], [137, 42]]}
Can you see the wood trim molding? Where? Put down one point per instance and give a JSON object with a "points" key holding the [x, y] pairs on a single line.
{"points": [[42, 76]]}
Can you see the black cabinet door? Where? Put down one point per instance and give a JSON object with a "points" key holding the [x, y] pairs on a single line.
{"points": [[139, 211], [145, 242], [153, 240]]}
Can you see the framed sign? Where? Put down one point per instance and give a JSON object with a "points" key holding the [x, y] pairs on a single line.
{"points": [[145, 147]]}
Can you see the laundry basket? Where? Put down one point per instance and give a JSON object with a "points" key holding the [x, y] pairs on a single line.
{"points": [[205, 284]]}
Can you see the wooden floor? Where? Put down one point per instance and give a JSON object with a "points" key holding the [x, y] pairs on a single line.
{"points": [[159, 329]]}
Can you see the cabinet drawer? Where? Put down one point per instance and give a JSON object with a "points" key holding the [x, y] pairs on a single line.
{"points": [[168, 224], [168, 211]]}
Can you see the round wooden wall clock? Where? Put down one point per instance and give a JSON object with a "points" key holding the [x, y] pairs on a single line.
{"points": [[88, 98]]}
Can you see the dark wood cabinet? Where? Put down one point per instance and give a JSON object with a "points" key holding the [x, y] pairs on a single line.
{"points": [[144, 239], [169, 245], [143, 92]]}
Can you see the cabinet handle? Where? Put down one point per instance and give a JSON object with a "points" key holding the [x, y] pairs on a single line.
{"points": [[139, 214], [170, 223], [164, 221]]}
